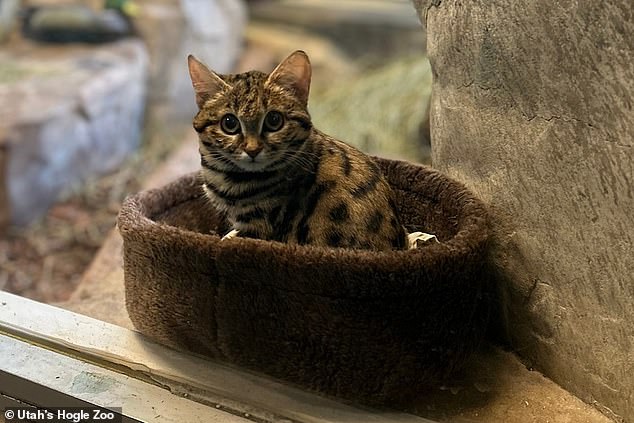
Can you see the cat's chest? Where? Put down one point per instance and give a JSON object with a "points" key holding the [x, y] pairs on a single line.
{"points": [[260, 212]]}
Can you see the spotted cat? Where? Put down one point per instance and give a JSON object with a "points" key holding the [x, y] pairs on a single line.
{"points": [[275, 176]]}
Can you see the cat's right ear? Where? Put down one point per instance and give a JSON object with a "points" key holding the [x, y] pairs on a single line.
{"points": [[294, 72], [205, 82]]}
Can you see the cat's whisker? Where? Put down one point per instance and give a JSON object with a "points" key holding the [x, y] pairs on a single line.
{"points": [[219, 157], [303, 163], [306, 153]]}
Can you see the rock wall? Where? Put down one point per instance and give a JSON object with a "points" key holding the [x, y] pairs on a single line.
{"points": [[533, 109]]}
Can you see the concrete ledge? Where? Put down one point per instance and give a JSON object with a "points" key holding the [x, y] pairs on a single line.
{"points": [[109, 366]]}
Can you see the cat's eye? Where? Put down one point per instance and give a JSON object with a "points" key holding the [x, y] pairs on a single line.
{"points": [[230, 124], [273, 121]]}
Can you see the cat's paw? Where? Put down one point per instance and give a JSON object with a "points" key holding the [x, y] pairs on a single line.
{"points": [[231, 234], [417, 239]]}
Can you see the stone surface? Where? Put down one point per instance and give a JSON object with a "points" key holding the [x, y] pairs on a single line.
{"points": [[66, 114], [497, 388], [532, 109]]}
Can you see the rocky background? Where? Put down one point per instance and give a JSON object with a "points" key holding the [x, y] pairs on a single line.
{"points": [[84, 125]]}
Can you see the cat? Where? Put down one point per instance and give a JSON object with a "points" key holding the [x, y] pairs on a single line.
{"points": [[275, 176]]}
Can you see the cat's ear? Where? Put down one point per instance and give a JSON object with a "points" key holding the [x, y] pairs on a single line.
{"points": [[294, 72], [206, 83]]}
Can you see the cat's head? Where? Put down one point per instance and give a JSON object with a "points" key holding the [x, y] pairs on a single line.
{"points": [[253, 120]]}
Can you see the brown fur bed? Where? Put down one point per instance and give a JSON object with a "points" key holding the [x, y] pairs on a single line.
{"points": [[365, 326]]}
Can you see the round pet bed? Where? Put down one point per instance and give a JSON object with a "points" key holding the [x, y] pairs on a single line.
{"points": [[366, 326]]}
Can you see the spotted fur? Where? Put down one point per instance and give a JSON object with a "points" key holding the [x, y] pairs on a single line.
{"points": [[294, 183]]}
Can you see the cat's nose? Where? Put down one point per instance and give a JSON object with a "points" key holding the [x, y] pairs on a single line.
{"points": [[253, 151]]}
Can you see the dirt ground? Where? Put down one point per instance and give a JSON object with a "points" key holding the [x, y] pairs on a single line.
{"points": [[45, 261]]}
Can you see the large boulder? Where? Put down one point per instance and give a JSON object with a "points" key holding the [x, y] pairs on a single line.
{"points": [[67, 114], [533, 110]]}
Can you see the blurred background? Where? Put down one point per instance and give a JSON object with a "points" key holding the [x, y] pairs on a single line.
{"points": [[96, 104]]}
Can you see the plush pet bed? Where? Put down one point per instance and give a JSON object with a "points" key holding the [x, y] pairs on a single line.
{"points": [[366, 326]]}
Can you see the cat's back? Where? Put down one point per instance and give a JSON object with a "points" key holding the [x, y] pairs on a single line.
{"points": [[354, 206]]}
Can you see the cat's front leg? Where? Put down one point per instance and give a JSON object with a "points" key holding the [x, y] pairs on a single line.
{"points": [[231, 234]]}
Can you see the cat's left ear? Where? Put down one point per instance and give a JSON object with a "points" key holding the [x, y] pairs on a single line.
{"points": [[294, 72], [206, 83]]}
